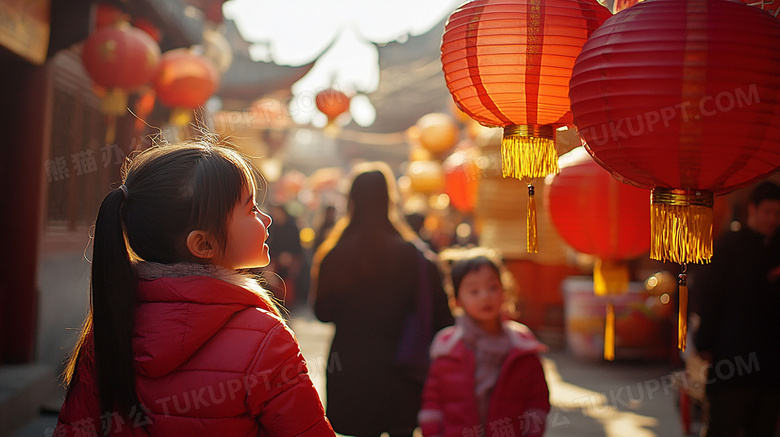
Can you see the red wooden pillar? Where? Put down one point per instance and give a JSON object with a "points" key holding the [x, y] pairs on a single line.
{"points": [[24, 125]]}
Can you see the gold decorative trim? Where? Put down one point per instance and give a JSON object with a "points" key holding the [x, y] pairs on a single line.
{"points": [[681, 225]]}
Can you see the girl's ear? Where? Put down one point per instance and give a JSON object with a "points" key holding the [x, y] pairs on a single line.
{"points": [[200, 245]]}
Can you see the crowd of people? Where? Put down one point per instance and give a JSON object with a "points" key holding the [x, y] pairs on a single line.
{"points": [[182, 339]]}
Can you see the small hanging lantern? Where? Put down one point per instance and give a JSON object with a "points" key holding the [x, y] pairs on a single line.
{"points": [[425, 176], [184, 82], [461, 178], [119, 58], [332, 103], [435, 132], [597, 215]]}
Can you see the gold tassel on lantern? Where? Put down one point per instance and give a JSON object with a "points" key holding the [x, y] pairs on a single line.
{"points": [[530, 228], [527, 153], [609, 278], [682, 318], [681, 232], [681, 225], [332, 130], [113, 104], [609, 333]]}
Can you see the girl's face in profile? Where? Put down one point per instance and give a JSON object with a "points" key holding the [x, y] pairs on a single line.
{"points": [[247, 235], [481, 295]]}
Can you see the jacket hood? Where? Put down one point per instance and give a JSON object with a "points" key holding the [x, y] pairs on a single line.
{"points": [[181, 306], [522, 339]]}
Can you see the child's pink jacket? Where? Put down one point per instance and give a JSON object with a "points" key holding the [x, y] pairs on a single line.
{"points": [[520, 399]]}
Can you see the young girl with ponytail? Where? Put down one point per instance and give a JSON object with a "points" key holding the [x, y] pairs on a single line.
{"points": [[177, 341]]}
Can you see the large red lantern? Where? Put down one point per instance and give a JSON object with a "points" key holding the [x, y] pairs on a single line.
{"points": [[332, 103], [119, 58], [664, 98], [184, 82], [507, 63], [597, 215]]}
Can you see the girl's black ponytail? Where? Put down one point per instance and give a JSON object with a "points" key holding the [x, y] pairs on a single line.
{"points": [[113, 292], [111, 315]]}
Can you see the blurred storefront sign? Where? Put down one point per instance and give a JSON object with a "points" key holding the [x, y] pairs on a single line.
{"points": [[25, 28]]}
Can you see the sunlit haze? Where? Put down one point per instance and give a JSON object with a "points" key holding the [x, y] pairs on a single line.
{"points": [[342, 32]]}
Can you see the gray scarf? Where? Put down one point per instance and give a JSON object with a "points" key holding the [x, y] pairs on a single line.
{"points": [[490, 351]]}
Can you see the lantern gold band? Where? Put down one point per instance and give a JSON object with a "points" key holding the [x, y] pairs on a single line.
{"points": [[545, 131], [681, 225], [663, 196]]}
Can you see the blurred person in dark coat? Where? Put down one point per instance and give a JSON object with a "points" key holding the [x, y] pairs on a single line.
{"points": [[286, 252], [365, 280], [326, 224], [739, 294]]}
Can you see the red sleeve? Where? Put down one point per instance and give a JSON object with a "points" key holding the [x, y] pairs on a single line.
{"points": [[280, 393], [538, 404], [431, 416]]}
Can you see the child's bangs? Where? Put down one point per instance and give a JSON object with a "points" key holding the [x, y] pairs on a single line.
{"points": [[222, 180]]}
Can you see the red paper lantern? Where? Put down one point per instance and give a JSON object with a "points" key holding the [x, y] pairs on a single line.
{"points": [[461, 179], [332, 103], [662, 97], [597, 215], [507, 63], [185, 81], [682, 97], [120, 58]]}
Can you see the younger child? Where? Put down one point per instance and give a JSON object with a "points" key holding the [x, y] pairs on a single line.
{"points": [[486, 377], [177, 341]]}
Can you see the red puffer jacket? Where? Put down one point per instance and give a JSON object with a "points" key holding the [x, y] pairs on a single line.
{"points": [[210, 360], [520, 400]]}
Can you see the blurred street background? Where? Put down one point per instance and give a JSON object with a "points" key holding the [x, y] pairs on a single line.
{"points": [[306, 90]]}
